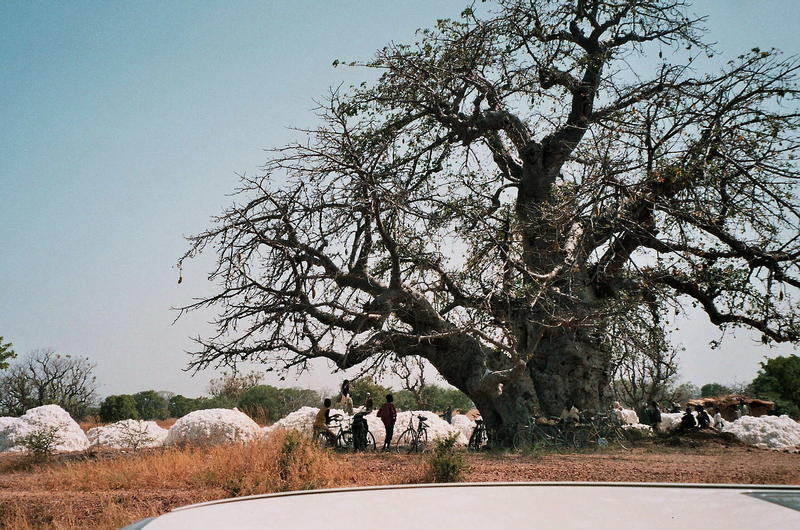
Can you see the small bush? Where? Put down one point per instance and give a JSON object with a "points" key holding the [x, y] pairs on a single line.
{"points": [[41, 443], [446, 464], [135, 435]]}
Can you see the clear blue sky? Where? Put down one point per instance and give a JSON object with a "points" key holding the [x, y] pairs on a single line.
{"points": [[123, 125]]}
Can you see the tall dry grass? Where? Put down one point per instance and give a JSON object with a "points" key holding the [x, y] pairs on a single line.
{"points": [[112, 492], [284, 461]]}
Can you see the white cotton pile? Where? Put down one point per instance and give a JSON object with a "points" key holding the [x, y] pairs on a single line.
{"points": [[766, 432], [128, 434], [463, 424], [669, 421], [303, 419], [627, 416], [644, 430], [212, 427], [437, 427], [47, 418], [8, 426]]}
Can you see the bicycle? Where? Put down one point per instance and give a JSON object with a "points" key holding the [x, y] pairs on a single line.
{"points": [[343, 438], [479, 437], [415, 440]]}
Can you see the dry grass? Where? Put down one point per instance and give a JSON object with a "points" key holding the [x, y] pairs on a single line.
{"points": [[109, 489], [113, 491]]}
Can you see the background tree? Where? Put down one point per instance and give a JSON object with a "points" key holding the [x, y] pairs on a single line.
{"points": [[265, 403], [682, 393], [714, 389], [6, 353], [118, 407], [44, 377], [644, 366], [151, 405], [227, 389], [779, 380], [180, 406], [362, 385], [506, 199], [411, 371]]}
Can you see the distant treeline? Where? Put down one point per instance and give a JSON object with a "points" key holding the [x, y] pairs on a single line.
{"points": [[266, 403]]}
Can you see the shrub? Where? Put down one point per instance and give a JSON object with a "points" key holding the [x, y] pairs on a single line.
{"points": [[446, 464], [41, 443], [135, 435]]}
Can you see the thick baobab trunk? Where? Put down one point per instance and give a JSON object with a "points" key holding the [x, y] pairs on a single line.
{"points": [[568, 372], [565, 371]]}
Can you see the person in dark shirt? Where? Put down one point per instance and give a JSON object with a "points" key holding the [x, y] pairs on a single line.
{"points": [[368, 403], [388, 415], [703, 419], [652, 415], [688, 422], [346, 387]]}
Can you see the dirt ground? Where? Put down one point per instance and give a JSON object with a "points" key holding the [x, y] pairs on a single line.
{"points": [[708, 463], [672, 460]]}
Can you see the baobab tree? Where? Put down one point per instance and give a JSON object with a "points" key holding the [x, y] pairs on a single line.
{"points": [[510, 202]]}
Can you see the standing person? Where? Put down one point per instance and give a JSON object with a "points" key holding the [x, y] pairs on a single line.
{"points": [[322, 420], [345, 388], [347, 404], [652, 414], [388, 415], [368, 403]]}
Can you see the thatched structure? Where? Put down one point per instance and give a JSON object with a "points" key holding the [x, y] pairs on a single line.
{"points": [[727, 405]]}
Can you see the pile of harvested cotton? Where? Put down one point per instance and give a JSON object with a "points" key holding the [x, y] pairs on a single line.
{"points": [[640, 428], [463, 424], [45, 419], [303, 419], [212, 427], [766, 432], [128, 434], [627, 416]]}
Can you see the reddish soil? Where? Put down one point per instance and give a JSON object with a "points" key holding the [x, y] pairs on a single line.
{"points": [[697, 460]]}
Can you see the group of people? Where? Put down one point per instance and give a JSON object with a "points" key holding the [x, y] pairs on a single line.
{"points": [[693, 417], [698, 419], [387, 413]]}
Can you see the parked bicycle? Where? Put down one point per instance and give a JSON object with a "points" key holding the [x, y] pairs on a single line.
{"points": [[596, 430], [343, 437], [479, 438], [414, 440]]}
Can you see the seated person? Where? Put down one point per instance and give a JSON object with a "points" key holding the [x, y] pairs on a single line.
{"points": [[703, 419], [688, 421], [323, 419]]}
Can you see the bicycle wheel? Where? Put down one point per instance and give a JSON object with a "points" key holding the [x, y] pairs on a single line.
{"points": [[477, 439], [619, 437], [345, 440], [421, 442], [581, 438], [522, 440], [370, 442], [404, 441]]}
